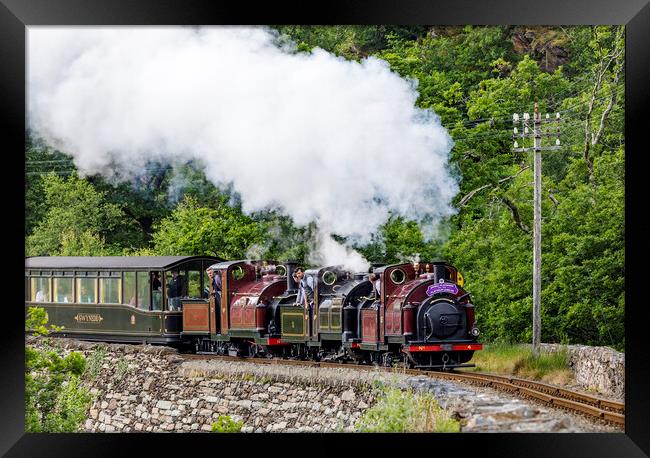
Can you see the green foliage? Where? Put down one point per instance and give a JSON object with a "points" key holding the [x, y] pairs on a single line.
{"points": [[55, 401], [225, 424], [36, 321], [401, 240], [193, 229], [399, 411], [121, 369], [77, 220], [95, 361]]}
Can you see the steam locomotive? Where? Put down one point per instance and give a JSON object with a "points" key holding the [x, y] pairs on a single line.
{"points": [[419, 316]]}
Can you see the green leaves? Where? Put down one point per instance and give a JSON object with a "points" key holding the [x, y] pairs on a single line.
{"points": [[192, 229], [225, 424], [55, 401], [77, 220]]}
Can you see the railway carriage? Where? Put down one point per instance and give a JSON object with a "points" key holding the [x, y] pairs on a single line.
{"points": [[114, 298]]}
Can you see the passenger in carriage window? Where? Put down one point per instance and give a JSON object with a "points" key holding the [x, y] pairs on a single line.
{"points": [[156, 290], [156, 285], [40, 296], [176, 288], [83, 295]]}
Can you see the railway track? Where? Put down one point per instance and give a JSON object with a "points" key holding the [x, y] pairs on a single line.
{"points": [[595, 407]]}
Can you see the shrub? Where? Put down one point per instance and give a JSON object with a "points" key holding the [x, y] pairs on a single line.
{"points": [[95, 361], [225, 424], [54, 399], [404, 411]]}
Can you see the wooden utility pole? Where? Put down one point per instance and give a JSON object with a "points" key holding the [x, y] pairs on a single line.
{"points": [[537, 231], [537, 149]]}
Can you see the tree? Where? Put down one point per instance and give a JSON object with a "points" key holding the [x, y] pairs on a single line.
{"points": [[193, 229], [77, 220]]}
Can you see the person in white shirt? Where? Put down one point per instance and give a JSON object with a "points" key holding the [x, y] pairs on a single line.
{"points": [[305, 287]]}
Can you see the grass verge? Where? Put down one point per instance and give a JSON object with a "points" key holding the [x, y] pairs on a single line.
{"points": [[400, 411], [518, 360]]}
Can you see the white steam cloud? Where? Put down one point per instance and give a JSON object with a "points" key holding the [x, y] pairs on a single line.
{"points": [[325, 140]]}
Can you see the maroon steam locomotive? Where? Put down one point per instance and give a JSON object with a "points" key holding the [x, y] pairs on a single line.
{"points": [[420, 315]]}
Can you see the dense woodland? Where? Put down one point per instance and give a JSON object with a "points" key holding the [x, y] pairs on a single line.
{"points": [[474, 78]]}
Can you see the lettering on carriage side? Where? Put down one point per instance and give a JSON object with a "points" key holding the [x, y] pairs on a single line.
{"points": [[88, 318], [442, 288]]}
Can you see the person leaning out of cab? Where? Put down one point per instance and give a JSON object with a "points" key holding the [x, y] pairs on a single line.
{"points": [[305, 296], [215, 281]]}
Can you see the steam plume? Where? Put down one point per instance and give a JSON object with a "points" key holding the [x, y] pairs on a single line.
{"points": [[323, 139]]}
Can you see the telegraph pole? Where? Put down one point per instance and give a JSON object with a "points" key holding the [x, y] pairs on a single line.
{"points": [[537, 149]]}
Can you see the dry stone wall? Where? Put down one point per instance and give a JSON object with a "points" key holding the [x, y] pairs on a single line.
{"points": [[149, 388], [596, 368]]}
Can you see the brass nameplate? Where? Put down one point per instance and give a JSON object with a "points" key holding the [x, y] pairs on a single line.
{"points": [[88, 318]]}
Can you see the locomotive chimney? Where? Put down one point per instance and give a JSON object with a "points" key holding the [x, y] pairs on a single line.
{"points": [[292, 287], [439, 270]]}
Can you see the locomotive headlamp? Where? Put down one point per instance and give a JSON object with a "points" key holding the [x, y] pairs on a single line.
{"points": [[475, 332]]}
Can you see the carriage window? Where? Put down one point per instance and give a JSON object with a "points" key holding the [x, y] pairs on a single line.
{"points": [[156, 290], [87, 290], [194, 286], [63, 290], [143, 290], [128, 294], [109, 290], [40, 289]]}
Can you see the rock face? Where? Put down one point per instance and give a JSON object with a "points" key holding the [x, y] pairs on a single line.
{"points": [[541, 45], [599, 368]]}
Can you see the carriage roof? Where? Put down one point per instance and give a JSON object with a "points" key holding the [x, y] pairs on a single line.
{"points": [[112, 262]]}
